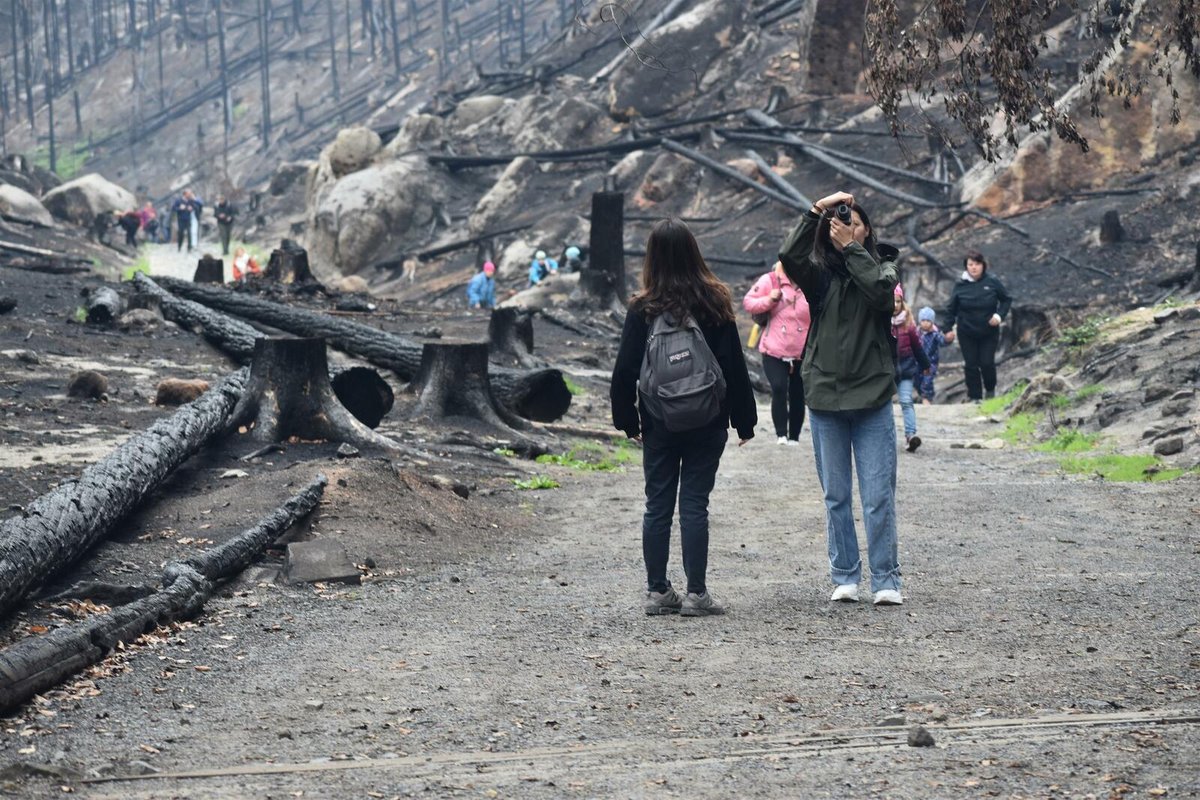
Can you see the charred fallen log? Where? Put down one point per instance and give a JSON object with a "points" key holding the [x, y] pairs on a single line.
{"points": [[540, 395], [61, 525], [732, 174], [40, 663], [577, 154], [104, 305], [453, 381], [363, 391]]}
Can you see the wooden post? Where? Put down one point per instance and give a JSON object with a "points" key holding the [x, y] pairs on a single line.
{"points": [[265, 69], [209, 269], [604, 275], [333, 73], [1111, 231], [453, 381], [395, 36]]}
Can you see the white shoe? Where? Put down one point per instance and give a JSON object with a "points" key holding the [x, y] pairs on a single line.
{"points": [[845, 593], [888, 597], [793, 442], [781, 440]]}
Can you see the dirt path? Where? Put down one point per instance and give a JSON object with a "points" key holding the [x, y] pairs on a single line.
{"points": [[1049, 642]]}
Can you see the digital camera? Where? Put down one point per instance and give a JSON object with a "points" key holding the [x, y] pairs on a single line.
{"points": [[842, 212]]}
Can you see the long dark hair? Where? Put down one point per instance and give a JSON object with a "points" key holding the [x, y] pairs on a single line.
{"points": [[676, 279], [826, 255]]}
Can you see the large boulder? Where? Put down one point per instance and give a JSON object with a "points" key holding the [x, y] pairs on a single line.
{"points": [[474, 110], [20, 205], [504, 197], [570, 124], [692, 43], [669, 174], [289, 176], [371, 215], [80, 200], [351, 151], [629, 170], [419, 131]]}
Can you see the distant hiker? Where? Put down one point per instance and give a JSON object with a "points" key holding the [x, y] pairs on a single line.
{"points": [[148, 218], [225, 213], [541, 268], [680, 329], [978, 305], [781, 345], [849, 379], [184, 211], [574, 260], [932, 341], [481, 291], [911, 363], [244, 266], [131, 223], [197, 210]]}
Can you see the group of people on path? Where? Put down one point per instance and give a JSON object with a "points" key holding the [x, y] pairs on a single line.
{"points": [[185, 212], [838, 339], [481, 289]]}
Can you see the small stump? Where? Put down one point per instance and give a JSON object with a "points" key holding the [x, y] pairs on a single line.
{"points": [[210, 269], [510, 335], [289, 264], [104, 305], [453, 381]]}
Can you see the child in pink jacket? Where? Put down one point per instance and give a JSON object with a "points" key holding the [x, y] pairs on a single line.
{"points": [[781, 345]]}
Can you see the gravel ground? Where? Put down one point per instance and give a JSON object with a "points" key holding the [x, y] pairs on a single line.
{"points": [[1049, 642]]}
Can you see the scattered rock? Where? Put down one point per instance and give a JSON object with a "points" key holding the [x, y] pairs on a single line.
{"points": [[352, 284], [1155, 392], [288, 176], [176, 391], [669, 174], [80, 200], [7, 304], [23, 207], [629, 170], [572, 123], [320, 560], [1040, 392], [315, 705], [1169, 446], [745, 166], [918, 736], [1111, 411], [474, 110], [994, 444], [347, 451], [1189, 314], [1177, 407], [88, 385], [24, 356], [352, 150], [234, 473], [139, 319], [1165, 316], [417, 130], [893, 722], [504, 196]]}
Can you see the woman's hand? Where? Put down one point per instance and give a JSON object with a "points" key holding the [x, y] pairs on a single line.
{"points": [[949, 336], [840, 233], [826, 203], [994, 321], [776, 294]]}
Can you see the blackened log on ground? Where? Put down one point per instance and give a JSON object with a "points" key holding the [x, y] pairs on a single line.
{"points": [[209, 269], [289, 394], [602, 280], [39, 663], [61, 525], [46, 266], [453, 381], [104, 305], [733, 175], [510, 335], [289, 264], [540, 395], [362, 391]]}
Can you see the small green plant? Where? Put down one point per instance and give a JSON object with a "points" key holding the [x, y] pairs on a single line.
{"points": [[239, 111], [574, 388], [504, 451], [1170, 301], [141, 265], [1020, 428], [1121, 469], [537, 482], [573, 460], [1068, 440], [1079, 337], [81, 314], [998, 404], [1087, 391]]}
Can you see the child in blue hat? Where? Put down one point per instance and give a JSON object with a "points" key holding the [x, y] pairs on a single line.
{"points": [[932, 340]]}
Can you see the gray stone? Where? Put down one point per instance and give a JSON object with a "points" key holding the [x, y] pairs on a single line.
{"points": [[80, 200], [504, 196], [138, 319], [320, 560], [1169, 446], [669, 174], [474, 110], [347, 451], [918, 736], [418, 130], [1189, 314], [352, 150], [288, 176], [1164, 316], [24, 356], [1156, 392], [896, 721], [1177, 408], [142, 768], [22, 206], [315, 705], [7, 304]]}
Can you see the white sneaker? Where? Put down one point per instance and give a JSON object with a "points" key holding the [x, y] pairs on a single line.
{"points": [[845, 593], [781, 440], [888, 597], [793, 442]]}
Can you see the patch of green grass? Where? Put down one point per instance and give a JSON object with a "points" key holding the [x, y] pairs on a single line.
{"points": [[506, 452], [81, 314], [1121, 469], [1081, 336], [537, 482], [1061, 401], [69, 161], [574, 388], [1170, 301], [1068, 440], [141, 265], [588, 459], [1020, 428], [239, 111], [998, 404]]}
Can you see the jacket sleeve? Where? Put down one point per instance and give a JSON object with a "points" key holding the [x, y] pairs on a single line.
{"points": [[489, 294], [743, 411], [623, 389], [758, 299], [951, 311], [796, 255], [918, 348], [1005, 300], [875, 279]]}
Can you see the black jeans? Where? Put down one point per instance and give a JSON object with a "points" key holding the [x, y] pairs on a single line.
{"points": [[226, 231], [687, 464], [979, 360], [183, 232], [787, 395]]}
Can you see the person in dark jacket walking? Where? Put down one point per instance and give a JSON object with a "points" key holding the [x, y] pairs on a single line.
{"points": [[849, 380], [183, 210], [978, 305], [225, 213], [131, 223], [677, 282]]}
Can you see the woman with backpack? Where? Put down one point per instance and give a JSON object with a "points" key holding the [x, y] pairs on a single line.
{"points": [[680, 381], [849, 379], [782, 312]]}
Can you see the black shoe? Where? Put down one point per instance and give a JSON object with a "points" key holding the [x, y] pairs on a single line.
{"points": [[914, 442], [989, 394]]}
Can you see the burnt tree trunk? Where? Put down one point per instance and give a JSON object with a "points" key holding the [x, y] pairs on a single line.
{"points": [[1111, 230], [540, 395], [289, 394], [603, 277], [1195, 287], [289, 264], [453, 381], [510, 335], [104, 305], [61, 525], [363, 391], [209, 269], [38, 663]]}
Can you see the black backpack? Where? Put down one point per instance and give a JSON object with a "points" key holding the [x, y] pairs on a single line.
{"points": [[681, 383]]}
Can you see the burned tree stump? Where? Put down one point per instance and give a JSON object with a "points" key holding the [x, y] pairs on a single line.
{"points": [[602, 281], [453, 381], [289, 264], [1111, 230], [364, 393], [210, 269], [104, 305], [510, 335], [289, 394]]}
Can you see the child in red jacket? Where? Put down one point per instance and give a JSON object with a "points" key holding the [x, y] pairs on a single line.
{"points": [[910, 362]]}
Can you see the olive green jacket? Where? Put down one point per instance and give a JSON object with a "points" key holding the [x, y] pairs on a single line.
{"points": [[848, 362]]}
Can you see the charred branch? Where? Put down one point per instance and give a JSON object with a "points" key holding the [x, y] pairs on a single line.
{"points": [[733, 175]]}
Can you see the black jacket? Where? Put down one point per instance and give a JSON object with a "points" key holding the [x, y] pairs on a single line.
{"points": [[225, 212], [738, 410], [972, 304]]}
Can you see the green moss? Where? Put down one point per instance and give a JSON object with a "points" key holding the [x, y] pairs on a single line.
{"points": [[69, 160], [141, 265], [504, 451], [81, 314], [1121, 469], [998, 404], [1068, 440], [1020, 428], [537, 482], [1087, 391], [574, 388]]}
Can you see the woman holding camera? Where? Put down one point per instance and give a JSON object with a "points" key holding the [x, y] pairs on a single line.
{"points": [[849, 379], [978, 305]]}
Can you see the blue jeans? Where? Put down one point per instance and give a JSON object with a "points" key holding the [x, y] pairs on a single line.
{"points": [[905, 387], [687, 464], [870, 434]]}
